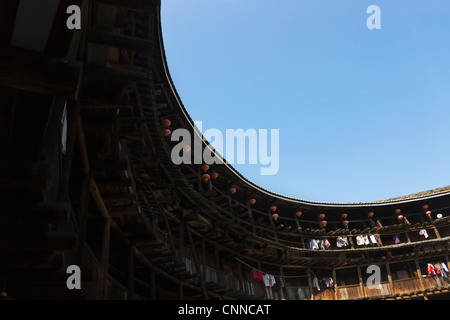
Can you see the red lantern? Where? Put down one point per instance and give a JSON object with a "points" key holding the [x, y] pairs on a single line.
{"points": [[344, 215], [428, 213], [298, 213], [205, 167], [252, 201], [205, 177], [397, 211], [370, 214], [166, 132], [324, 223], [425, 207], [400, 217], [346, 223], [165, 122], [322, 215], [275, 217], [232, 190], [214, 175]]}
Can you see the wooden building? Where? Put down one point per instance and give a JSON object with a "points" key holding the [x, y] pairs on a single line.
{"points": [[87, 180]]}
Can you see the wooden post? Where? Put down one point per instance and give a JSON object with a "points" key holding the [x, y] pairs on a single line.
{"points": [[203, 249], [197, 263], [272, 224], [180, 242], [239, 271], [131, 273], [336, 295], [82, 220], [180, 290], [250, 215], [104, 256], [360, 279], [391, 284], [217, 260], [419, 274], [436, 232], [281, 289], [152, 284], [310, 284]]}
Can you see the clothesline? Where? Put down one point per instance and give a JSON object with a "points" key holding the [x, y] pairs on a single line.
{"points": [[276, 275]]}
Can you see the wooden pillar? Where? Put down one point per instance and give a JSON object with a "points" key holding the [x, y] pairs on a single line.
{"points": [[180, 290], [230, 205], [104, 256], [272, 224], [336, 295], [152, 284], [436, 232], [250, 215], [217, 260], [408, 239], [82, 220], [239, 271], [310, 284], [203, 249], [197, 263], [419, 274], [180, 242], [281, 289], [391, 284], [131, 273], [360, 279]]}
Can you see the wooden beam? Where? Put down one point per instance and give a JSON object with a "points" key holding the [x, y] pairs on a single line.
{"points": [[32, 71], [135, 5], [119, 41]]}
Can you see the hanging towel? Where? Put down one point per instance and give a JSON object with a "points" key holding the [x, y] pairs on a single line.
{"points": [[430, 269], [373, 239], [316, 283], [341, 242], [366, 240], [423, 233], [396, 238], [360, 240], [437, 269], [444, 266]]}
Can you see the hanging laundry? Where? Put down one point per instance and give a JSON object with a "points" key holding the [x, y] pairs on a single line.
{"points": [[444, 270], [321, 245], [366, 239], [341, 242], [313, 244], [430, 269], [436, 268], [326, 244], [256, 275], [269, 280], [329, 282], [316, 283], [360, 240], [279, 283], [373, 239], [396, 238], [424, 234]]}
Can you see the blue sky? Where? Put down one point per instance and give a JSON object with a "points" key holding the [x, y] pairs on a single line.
{"points": [[363, 115]]}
